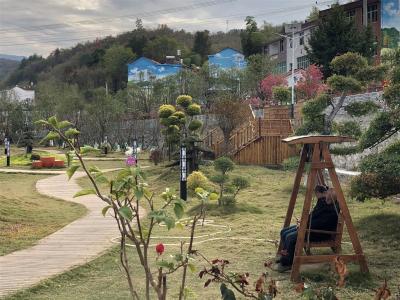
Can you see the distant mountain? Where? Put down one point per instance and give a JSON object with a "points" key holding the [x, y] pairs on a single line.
{"points": [[7, 66], [11, 57]]}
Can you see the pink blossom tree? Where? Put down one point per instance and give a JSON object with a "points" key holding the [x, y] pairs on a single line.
{"points": [[268, 83], [310, 83]]}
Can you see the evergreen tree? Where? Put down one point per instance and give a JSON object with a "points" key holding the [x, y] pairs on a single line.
{"points": [[202, 44], [336, 35], [252, 39]]}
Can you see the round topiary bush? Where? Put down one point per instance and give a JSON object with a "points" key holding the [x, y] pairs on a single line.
{"points": [[193, 110], [194, 125], [197, 179], [35, 156], [173, 120], [184, 100], [166, 110], [224, 164]]}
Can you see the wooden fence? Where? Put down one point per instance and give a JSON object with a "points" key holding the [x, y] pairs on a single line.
{"points": [[259, 140], [266, 150]]}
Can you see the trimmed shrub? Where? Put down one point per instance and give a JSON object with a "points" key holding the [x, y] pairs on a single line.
{"points": [[224, 164], [380, 177], [291, 163], [197, 179], [184, 100], [348, 128], [194, 125], [166, 110], [35, 156], [228, 200], [193, 110]]}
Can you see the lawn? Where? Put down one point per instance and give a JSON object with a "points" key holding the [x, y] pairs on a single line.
{"points": [[259, 215], [26, 216]]}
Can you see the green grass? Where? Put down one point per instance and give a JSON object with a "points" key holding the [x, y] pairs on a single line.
{"points": [[259, 215], [26, 216]]}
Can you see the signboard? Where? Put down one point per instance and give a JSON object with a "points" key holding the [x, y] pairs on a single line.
{"points": [[390, 23]]}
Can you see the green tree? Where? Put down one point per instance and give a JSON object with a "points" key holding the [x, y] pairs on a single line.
{"points": [[258, 67], [351, 74], [336, 35], [115, 60], [314, 14], [252, 39], [202, 44], [102, 109], [160, 47]]}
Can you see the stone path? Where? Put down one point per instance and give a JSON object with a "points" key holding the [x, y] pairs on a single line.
{"points": [[75, 244]]}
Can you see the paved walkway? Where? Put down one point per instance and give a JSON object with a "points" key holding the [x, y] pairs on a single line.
{"points": [[75, 244]]}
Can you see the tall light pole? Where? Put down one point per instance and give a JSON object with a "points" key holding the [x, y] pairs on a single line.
{"points": [[293, 48], [365, 13]]}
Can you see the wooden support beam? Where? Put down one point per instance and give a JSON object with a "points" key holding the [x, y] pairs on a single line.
{"points": [[295, 274], [295, 191]]}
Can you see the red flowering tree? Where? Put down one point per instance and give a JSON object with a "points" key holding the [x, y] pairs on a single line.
{"points": [[268, 83], [310, 83]]}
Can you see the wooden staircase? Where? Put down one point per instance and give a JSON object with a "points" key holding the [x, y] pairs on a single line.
{"points": [[257, 141]]}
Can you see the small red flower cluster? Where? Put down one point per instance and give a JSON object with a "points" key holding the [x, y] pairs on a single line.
{"points": [[160, 249]]}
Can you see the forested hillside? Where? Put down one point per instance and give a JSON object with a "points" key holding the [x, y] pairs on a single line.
{"points": [[7, 66], [91, 64]]}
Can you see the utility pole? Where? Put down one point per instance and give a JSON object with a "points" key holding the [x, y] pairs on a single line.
{"points": [[292, 106], [365, 13]]}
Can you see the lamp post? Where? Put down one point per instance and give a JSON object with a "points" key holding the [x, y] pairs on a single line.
{"points": [[7, 150], [293, 49], [134, 149], [183, 171]]}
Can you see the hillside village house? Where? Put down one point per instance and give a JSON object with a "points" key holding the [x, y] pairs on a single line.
{"points": [[282, 47], [144, 70], [226, 59], [18, 94]]}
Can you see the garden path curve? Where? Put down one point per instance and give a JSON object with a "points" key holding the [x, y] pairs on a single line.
{"points": [[75, 244]]}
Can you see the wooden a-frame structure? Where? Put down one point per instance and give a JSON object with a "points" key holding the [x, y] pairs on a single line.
{"points": [[316, 150]]}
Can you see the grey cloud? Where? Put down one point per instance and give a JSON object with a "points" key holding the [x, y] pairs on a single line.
{"points": [[18, 18]]}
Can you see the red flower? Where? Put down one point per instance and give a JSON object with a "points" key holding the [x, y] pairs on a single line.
{"points": [[160, 249]]}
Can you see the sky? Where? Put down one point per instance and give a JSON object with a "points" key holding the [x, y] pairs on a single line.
{"points": [[40, 26], [391, 13]]}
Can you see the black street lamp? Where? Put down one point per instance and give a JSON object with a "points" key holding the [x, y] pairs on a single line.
{"points": [[183, 171], [134, 150], [7, 150]]}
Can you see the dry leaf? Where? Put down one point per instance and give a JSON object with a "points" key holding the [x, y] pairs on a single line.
{"points": [[341, 269], [272, 289], [383, 292], [268, 264], [299, 288], [260, 283]]}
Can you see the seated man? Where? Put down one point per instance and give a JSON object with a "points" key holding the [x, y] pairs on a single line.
{"points": [[324, 216]]}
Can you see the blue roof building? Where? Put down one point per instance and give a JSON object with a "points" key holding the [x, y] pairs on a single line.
{"points": [[227, 58], [144, 70]]}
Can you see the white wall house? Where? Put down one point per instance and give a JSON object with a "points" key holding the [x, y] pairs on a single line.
{"points": [[19, 94], [301, 33]]}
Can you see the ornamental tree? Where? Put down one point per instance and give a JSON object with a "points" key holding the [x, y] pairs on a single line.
{"points": [[267, 85], [228, 189], [380, 173], [351, 74], [337, 34], [127, 197], [310, 83], [180, 125]]}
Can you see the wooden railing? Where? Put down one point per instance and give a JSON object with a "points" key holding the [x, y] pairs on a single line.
{"points": [[257, 141]]}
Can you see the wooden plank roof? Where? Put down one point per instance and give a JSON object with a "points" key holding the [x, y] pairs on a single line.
{"points": [[315, 139]]}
